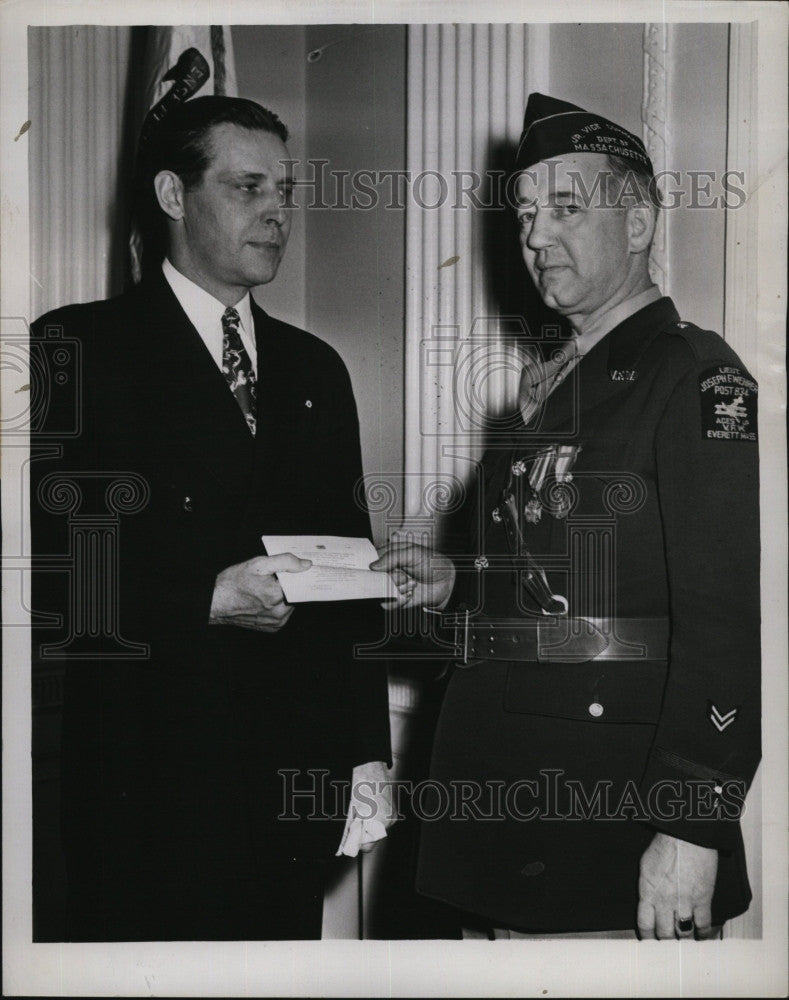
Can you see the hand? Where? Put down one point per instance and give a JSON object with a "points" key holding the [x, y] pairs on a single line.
{"points": [[422, 577], [676, 884], [371, 809], [250, 596]]}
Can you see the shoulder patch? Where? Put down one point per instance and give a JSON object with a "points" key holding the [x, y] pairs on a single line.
{"points": [[728, 404]]}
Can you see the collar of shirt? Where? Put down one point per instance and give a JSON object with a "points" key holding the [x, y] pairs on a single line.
{"points": [[539, 381], [205, 314], [605, 323]]}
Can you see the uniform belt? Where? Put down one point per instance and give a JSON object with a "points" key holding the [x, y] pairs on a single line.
{"points": [[559, 639]]}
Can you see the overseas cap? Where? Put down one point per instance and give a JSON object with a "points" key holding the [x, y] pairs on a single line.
{"points": [[553, 128]]}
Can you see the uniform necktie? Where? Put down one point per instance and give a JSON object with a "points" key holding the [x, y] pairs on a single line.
{"points": [[237, 367], [540, 378]]}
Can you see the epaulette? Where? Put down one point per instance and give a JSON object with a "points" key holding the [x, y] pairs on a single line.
{"points": [[704, 343]]}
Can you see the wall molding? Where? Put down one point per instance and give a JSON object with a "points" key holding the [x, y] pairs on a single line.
{"points": [[467, 90], [741, 221], [741, 331], [657, 136]]}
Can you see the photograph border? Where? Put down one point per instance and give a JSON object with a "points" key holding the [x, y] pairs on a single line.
{"points": [[406, 968]]}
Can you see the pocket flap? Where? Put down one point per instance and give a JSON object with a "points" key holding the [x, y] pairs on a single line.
{"points": [[595, 692]]}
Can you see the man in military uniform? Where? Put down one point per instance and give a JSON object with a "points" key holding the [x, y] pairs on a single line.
{"points": [[599, 733]]}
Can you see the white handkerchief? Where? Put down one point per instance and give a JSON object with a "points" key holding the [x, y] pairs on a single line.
{"points": [[359, 832]]}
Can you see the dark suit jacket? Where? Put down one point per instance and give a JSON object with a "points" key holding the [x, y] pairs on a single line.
{"points": [[174, 731], [661, 522]]}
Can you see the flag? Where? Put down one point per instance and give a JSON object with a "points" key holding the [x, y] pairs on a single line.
{"points": [[181, 62], [165, 47]]}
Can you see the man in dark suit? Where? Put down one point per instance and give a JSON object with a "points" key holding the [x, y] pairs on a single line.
{"points": [[603, 723], [198, 703]]}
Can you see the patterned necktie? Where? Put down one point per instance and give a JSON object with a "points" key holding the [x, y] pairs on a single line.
{"points": [[237, 367]]}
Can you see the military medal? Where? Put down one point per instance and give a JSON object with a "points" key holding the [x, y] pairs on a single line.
{"points": [[560, 498], [548, 472], [533, 510], [566, 455], [540, 468]]}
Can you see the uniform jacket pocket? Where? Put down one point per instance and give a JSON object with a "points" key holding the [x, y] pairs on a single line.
{"points": [[599, 693]]}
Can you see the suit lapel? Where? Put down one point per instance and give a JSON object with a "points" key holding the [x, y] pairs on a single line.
{"points": [[272, 375], [185, 390], [280, 388], [608, 369]]}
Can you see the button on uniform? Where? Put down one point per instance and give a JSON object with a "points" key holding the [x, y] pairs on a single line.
{"points": [[187, 504], [596, 709]]}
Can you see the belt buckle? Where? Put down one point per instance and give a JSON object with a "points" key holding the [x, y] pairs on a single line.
{"points": [[462, 628], [459, 622], [460, 640]]}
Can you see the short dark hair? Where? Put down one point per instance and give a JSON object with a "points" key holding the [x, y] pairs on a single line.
{"points": [[638, 181], [181, 142]]}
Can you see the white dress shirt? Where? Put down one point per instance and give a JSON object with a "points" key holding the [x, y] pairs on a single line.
{"points": [[205, 314]]}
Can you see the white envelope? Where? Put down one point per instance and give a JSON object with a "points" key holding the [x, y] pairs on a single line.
{"points": [[339, 570]]}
